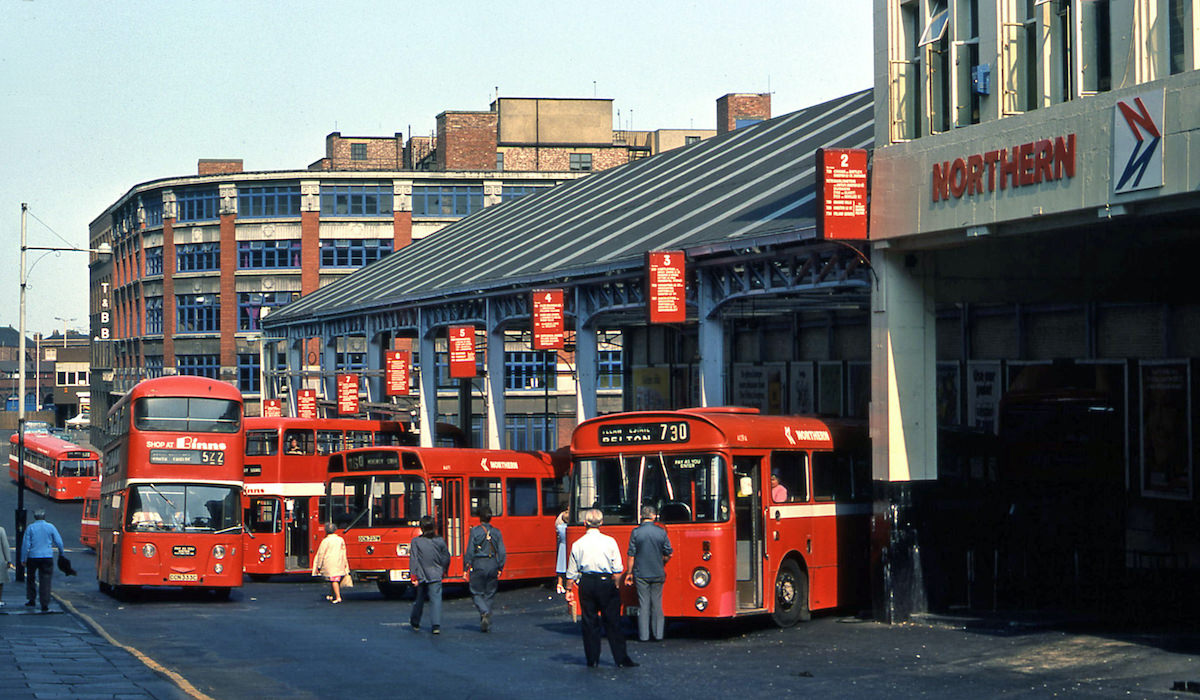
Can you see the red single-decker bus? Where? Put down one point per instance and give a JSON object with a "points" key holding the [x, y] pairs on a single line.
{"points": [[56, 468]]}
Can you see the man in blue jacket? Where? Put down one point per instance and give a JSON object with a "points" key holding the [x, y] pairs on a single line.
{"points": [[37, 554], [649, 550]]}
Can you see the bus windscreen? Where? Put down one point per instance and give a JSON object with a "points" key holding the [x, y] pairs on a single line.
{"points": [[683, 488], [187, 414]]}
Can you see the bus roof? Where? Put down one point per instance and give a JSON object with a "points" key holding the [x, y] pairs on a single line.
{"points": [[184, 385], [710, 427], [50, 444]]}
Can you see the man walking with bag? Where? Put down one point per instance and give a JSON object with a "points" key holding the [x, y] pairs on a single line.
{"points": [[37, 553], [484, 562]]}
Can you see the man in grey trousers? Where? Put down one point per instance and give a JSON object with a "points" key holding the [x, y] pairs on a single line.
{"points": [[649, 550]]}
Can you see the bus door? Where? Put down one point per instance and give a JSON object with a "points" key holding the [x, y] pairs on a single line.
{"points": [[747, 515], [295, 529], [449, 510]]}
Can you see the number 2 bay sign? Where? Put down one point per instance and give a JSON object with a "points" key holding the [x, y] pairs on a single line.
{"points": [[397, 363], [842, 185], [548, 319], [462, 351], [668, 289]]}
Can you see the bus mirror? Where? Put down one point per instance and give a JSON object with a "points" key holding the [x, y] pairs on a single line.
{"points": [[437, 492], [745, 486]]}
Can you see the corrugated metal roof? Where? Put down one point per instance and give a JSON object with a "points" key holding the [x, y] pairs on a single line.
{"points": [[747, 183]]}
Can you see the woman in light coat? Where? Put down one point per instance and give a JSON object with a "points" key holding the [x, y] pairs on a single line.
{"points": [[6, 562], [331, 563]]}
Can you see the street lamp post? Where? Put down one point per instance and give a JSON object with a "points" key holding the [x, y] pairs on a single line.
{"points": [[20, 516]]}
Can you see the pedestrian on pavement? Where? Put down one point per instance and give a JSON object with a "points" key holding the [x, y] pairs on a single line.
{"points": [[6, 562], [484, 563], [428, 559], [649, 550], [37, 554], [330, 562], [560, 562], [593, 569]]}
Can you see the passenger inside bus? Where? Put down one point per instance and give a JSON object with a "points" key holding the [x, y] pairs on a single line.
{"points": [[779, 492], [293, 446]]}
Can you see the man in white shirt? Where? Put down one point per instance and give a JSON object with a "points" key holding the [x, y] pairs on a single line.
{"points": [[594, 567]]}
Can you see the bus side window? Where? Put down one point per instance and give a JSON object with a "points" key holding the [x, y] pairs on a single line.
{"points": [[485, 490], [329, 441], [554, 496], [788, 478], [522, 496], [298, 442]]}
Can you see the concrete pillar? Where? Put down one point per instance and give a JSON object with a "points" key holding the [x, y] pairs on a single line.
{"points": [[494, 396], [428, 384], [586, 360], [711, 341]]}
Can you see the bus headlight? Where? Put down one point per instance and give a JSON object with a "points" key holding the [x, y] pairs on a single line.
{"points": [[401, 550], [219, 551], [218, 567], [370, 549], [700, 577], [148, 550], [264, 551], [701, 603]]}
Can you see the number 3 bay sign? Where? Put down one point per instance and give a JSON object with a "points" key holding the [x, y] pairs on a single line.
{"points": [[667, 293]]}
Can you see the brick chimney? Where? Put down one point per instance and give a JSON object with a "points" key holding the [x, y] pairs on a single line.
{"points": [[218, 166], [747, 108]]}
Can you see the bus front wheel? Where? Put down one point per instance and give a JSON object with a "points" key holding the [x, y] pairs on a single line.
{"points": [[391, 591], [791, 595]]}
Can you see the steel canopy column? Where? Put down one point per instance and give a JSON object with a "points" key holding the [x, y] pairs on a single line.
{"points": [[329, 368], [428, 385], [711, 341], [494, 396], [295, 376], [585, 358], [376, 348]]}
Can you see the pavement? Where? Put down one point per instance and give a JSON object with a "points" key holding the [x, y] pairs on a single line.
{"points": [[63, 654]]}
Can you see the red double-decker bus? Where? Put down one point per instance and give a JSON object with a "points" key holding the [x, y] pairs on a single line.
{"points": [[170, 491], [285, 469], [766, 514], [54, 467], [379, 495]]}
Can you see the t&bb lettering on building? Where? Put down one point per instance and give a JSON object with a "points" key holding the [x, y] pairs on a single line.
{"points": [[1020, 166]]}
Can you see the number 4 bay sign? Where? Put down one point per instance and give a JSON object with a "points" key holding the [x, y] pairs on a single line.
{"points": [[548, 319], [842, 186], [462, 352], [667, 286]]}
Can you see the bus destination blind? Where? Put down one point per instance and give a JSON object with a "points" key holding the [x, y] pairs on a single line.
{"points": [[203, 457], [659, 433]]}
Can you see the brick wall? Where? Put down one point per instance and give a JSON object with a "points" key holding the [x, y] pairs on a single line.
{"points": [[229, 298], [382, 152], [733, 107], [218, 166], [530, 158], [466, 141]]}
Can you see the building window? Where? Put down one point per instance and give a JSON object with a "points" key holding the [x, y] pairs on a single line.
{"points": [[153, 209], [154, 261], [197, 313], [356, 200], [248, 373], [530, 370], [689, 140], [353, 252], [966, 61], [197, 203], [198, 257], [1095, 54], [268, 201], [358, 151], [153, 365], [1178, 27], [581, 161], [78, 378], [251, 304], [935, 43], [509, 192], [499, 161], [610, 374], [154, 315], [198, 365], [268, 255], [745, 122], [446, 200], [531, 432], [350, 354]]}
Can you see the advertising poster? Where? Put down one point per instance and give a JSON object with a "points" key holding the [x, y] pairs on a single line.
{"points": [[801, 382], [759, 386], [829, 394], [651, 388], [983, 395], [306, 403], [272, 408], [347, 394], [396, 367], [948, 394], [462, 352], [1166, 430], [548, 319], [667, 292]]}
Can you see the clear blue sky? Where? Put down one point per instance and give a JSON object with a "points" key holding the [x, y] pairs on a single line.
{"points": [[101, 96]]}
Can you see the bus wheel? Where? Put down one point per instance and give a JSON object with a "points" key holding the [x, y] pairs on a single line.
{"points": [[791, 595], [221, 593], [105, 588], [260, 578], [390, 590]]}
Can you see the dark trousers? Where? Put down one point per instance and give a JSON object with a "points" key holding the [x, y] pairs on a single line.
{"points": [[484, 582], [38, 571], [433, 591], [599, 598]]}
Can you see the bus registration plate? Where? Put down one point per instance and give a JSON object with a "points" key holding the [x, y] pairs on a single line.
{"points": [[398, 574], [175, 576]]}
